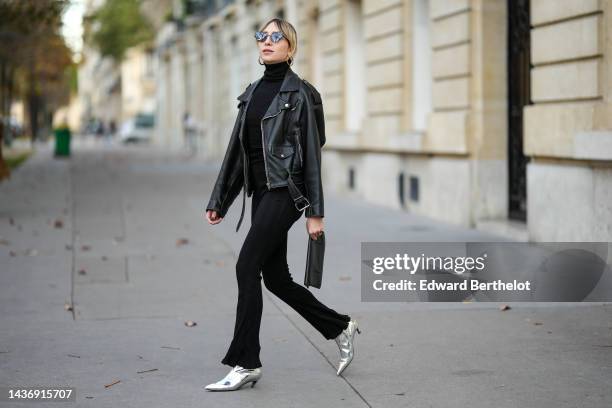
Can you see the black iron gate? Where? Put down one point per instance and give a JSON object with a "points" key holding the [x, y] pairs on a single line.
{"points": [[519, 95]]}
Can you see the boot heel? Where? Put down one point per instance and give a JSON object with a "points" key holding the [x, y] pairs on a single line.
{"points": [[358, 330], [254, 382]]}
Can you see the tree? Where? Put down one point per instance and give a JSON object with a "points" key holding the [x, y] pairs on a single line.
{"points": [[117, 26], [34, 61]]}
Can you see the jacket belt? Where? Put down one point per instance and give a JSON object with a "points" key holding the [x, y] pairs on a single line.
{"points": [[242, 211], [299, 200]]}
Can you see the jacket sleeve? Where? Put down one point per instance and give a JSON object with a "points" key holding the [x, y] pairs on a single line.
{"points": [[313, 129], [231, 175]]}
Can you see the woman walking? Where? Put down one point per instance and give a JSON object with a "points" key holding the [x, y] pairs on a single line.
{"points": [[274, 155]]}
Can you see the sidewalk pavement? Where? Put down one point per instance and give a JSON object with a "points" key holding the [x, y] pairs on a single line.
{"points": [[118, 233]]}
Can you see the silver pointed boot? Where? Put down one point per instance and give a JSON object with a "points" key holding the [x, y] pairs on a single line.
{"points": [[236, 378], [346, 345]]}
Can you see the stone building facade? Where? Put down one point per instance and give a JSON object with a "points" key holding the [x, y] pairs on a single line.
{"points": [[494, 114]]}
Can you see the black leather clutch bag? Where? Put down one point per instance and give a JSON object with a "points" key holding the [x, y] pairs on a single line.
{"points": [[314, 261]]}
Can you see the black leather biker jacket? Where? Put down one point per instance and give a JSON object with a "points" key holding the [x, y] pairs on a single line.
{"points": [[293, 132]]}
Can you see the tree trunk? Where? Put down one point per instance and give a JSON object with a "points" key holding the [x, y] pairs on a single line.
{"points": [[33, 115], [5, 172]]}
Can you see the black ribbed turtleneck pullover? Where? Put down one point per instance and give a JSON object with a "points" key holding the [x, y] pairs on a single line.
{"points": [[262, 96]]}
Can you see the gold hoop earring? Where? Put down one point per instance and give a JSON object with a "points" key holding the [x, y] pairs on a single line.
{"points": [[259, 60], [289, 63]]}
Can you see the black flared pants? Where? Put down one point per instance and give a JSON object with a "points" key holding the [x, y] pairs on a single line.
{"points": [[265, 250]]}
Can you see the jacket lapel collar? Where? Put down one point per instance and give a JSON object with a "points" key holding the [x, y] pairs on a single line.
{"points": [[290, 84], [246, 95]]}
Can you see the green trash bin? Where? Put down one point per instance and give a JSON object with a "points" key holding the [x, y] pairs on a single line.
{"points": [[62, 141]]}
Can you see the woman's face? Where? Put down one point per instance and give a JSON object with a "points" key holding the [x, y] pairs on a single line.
{"points": [[271, 52]]}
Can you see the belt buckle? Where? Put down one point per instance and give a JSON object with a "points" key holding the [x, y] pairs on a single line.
{"points": [[303, 208]]}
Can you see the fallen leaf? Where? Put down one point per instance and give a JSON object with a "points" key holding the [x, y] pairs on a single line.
{"points": [[504, 308], [85, 247], [73, 355], [82, 271], [537, 323], [58, 223], [190, 323], [68, 306], [182, 241], [146, 371], [111, 384]]}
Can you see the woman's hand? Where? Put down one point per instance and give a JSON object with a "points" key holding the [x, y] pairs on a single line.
{"points": [[314, 226], [213, 217]]}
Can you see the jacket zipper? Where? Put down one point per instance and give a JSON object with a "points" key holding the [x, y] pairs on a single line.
{"points": [[299, 146], [246, 159], [263, 145]]}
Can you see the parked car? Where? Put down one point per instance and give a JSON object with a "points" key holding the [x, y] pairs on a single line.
{"points": [[137, 129]]}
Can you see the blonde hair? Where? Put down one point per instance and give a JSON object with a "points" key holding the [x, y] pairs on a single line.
{"points": [[289, 33]]}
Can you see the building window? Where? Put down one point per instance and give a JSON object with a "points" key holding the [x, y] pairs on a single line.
{"points": [[421, 69], [355, 85], [414, 188], [149, 70], [401, 189], [351, 178], [316, 67]]}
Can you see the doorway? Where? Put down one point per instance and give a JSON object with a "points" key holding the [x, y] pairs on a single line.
{"points": [[519, 95]]}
